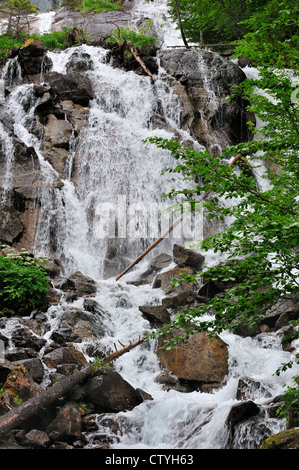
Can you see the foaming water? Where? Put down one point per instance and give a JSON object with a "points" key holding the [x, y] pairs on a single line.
{"points": [[117, 172]]}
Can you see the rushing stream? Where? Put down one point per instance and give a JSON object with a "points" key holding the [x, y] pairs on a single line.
{"points": [[118, 174]]}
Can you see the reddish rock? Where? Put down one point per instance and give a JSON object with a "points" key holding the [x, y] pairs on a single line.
{"points": [[200, 358]]}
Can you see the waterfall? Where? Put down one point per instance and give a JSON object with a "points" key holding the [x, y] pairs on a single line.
{"points": [[109, 212]]}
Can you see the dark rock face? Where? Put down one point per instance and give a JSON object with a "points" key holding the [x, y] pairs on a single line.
{"points": [[202, 82], [185, 257], [97, 26], [32, 57], [109, 392], [74, 87]]}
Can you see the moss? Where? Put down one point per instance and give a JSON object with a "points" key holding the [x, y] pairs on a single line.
{"points": [[28, 42], [288, 439]]}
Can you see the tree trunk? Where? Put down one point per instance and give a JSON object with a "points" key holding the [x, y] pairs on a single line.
{"points": [[140, 61], [15, 417], [180, 24]]}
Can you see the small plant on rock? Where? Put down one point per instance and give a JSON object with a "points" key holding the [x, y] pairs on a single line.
{"points": [[24, 283]]}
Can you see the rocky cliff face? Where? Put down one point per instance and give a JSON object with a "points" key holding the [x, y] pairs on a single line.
{"points": [[58, 107]]}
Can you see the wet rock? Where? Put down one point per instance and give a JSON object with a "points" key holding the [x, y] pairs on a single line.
{"points": [[155, 314], [241, 412], [202, 83], [18, 354], [53, 267], [158, 263], [288, 439], [186, 257], [285, 310], [109, 392], [37, 439], [74, 87], [164, 280], [79, 62], [248, 388], [34, 366], [32, 57], [11, 226], [175, 299], [96, 25], [76, 114], [23, 337], [67, 425], [20, 385], [5, 369], [76, 326], [93, 306], [64, 355], [82, 285], [58, 132], [199, 358]]}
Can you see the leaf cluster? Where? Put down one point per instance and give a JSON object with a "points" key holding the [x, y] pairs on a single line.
{"points": [[289, 408], [23, 282], [139, 39]]}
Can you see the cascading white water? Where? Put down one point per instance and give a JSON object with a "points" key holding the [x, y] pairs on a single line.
{"points": [[117, 171]]}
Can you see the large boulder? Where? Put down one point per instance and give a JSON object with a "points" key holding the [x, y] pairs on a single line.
{"points": [[96, 25], [74, 86], [109, 392], [288, 439], [32, 57], [186, 257], [64, 355], [200, 358], [67, 425], [164, 280]]}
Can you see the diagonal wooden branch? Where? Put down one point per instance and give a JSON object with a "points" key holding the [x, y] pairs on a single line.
{"points": [[140, 61], [17, 416], [176, 222]]}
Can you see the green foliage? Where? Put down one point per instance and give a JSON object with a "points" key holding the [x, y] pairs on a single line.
{"points": [[98, 6], [138, 39], [218, 19], [273, 37], [18, 14], [56, 39], [266, 32], [8, 43], [289, 408], [52, 40], [263, 236], [23, 282]]}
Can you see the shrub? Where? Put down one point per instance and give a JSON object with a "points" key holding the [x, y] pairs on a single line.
{"points": [[8, 43], [23, 282], [289, 408], [98, 6], [137, 39]]}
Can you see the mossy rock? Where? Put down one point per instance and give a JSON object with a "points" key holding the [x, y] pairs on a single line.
{"points": [[288, 439]]}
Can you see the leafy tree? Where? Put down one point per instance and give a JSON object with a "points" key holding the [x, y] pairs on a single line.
{"points": [[18, 13], [219, 20], [263, 237], [272, 37]]}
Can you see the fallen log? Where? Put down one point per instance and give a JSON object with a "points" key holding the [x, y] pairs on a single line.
{"points": [[140, 61], [17, 416], [176, 222]]}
